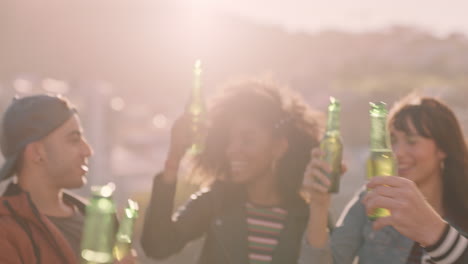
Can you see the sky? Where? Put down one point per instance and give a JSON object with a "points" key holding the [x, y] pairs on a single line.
{"points": [[437, 16]]}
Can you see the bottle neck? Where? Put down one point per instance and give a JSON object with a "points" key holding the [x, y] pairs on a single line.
{"points": [[333, 122], [196, 105], [126, 226], [196, 92], [379, 138]]}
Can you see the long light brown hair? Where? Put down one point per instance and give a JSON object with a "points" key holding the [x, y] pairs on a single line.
{"points": [[433, 119]]}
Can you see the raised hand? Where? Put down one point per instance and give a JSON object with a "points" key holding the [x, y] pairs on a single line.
{"points": [[411, 214], [315, 187]]}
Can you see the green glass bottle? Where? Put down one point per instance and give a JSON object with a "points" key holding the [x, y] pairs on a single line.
{"points": [[197, 110], [332, 145], [99, 227], [381, 161], [124, 237]]}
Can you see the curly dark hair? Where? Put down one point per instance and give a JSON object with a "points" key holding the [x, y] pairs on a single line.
{"points": [[433, 119], [274, 107]]}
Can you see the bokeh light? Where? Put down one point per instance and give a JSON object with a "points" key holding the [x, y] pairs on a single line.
{"points": [[117, 103], [22, 86], [160, 121]]}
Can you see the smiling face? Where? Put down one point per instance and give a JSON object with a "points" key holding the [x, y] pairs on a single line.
{"points": [[419, 159], [251, 150], [66, 153]]}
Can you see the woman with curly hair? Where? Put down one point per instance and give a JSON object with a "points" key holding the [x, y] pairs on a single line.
{"points": [[428, 200], [257, 147]]}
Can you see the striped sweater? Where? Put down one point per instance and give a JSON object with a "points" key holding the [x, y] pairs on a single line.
{"points": [[450, 247], [264, 228]]}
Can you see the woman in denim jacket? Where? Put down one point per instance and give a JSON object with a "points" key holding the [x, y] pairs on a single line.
{"points": [[428, 200]]}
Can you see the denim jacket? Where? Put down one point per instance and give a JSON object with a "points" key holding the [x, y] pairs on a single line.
{"points": [[354, 237]]}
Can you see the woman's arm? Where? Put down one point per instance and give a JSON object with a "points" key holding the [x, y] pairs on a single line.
{"points": [[345, 240], [414, 218], [452, 247], [164, 235]]}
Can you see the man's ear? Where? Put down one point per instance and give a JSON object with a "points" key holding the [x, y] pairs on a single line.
{"points": [[33, 152]]}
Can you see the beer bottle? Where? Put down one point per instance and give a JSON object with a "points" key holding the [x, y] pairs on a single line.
{"points": [[381, 161], [197, 111], [332, 145], [123, 241], [99, 227]]}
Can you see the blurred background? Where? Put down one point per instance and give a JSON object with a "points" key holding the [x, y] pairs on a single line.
{"points": [[128, 66]]}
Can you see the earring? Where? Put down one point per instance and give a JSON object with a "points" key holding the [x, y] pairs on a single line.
{"points": [[442, 165]]}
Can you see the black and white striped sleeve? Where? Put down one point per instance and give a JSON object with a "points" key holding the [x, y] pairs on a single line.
{"points": [[452, 248]]}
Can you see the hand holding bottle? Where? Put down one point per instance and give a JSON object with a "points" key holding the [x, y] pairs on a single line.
{"points": [[316, 186], [181, 139], [316, 182], [411, 214]]}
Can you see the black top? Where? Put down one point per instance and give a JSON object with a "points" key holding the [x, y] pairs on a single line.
{"points": [[219, 213]]}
